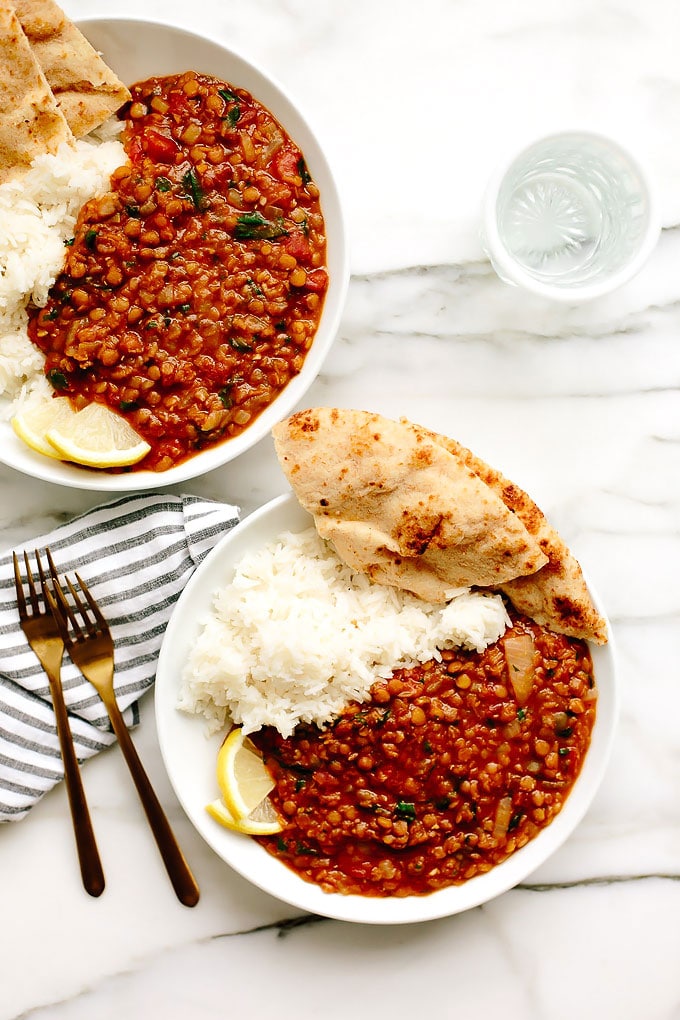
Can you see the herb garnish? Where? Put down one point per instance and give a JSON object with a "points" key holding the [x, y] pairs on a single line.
{"points": [[302, 849], [163, 184], [239, 345], [303, 171], [91, 239], [405, 809], [58, 379], [254, 226], [194, 189]]}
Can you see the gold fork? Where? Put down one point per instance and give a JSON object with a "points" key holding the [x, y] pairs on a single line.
{"points": [[43, 635], [88, 641]]}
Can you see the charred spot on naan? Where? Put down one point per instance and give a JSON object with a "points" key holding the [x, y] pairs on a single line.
{"points": [[304, 423], [416, 533]]}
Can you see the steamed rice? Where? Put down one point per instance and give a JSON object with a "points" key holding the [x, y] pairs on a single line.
{"points": [[38, 213], [298, 634]]}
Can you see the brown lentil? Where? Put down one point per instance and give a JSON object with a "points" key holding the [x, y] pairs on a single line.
{"points": [[445, 797], [200, 262]]}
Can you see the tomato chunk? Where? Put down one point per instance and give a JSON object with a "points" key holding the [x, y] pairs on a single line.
{"points": [[160, 147], [297, 245], [317, 280], [286, 166]]}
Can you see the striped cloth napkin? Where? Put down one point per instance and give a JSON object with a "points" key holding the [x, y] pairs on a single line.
{"points": [[136, 555]]}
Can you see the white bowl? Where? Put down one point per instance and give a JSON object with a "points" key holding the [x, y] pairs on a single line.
{"points": [[139, 49], [190, 757]]}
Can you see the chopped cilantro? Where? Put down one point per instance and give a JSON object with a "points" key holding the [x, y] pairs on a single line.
{"points": [[194, 189], [239, 345], [254, 226], [405, 809], [303, 171], [58, 379]]}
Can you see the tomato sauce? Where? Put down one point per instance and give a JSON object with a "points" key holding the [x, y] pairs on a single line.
{"points": [[439, 777], [191, 293]]}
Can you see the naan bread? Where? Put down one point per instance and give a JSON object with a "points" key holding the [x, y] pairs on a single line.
{"points": [[30, 122], [556, 596], [86, 90], [399, 507]]}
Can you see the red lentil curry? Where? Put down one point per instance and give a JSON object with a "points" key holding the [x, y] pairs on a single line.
{"points": [[444, 773], [191, 292]]}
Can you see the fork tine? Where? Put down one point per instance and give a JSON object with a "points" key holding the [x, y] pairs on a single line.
{"points": [[41, 569], [90, 625], [92, 603], [50, 603], [64, 612], [57, 612], [19, 585], [32, 591]]}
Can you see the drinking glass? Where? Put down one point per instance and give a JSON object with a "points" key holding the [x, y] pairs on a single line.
{"points": [[571, 216]]}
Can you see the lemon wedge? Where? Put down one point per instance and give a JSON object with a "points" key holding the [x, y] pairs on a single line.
{"points": [[97, 437], [242, 776], [263, 821], [32, 424]]}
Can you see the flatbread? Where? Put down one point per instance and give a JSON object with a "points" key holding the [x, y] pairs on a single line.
{"points": [[30, 122], [86, 90], [557, 595], [399, 507]]}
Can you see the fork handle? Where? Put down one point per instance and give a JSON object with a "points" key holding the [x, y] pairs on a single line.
{"points": [[183, 881], [88, 855]]}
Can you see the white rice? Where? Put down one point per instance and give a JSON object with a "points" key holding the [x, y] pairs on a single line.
{"points": [[297, 635], [37, 214]]}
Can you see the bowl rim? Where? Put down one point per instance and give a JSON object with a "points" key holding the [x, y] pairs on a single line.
{"points": [[253, 862], [15, 454]]}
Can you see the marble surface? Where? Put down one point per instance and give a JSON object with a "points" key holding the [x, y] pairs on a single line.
{"points": [[579, 404]]}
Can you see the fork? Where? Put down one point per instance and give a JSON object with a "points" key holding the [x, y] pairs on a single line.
{"points": [[43, 635], [89, 642]]}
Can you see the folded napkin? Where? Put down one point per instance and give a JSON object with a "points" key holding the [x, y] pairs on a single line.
{"points": [[135, 555]]}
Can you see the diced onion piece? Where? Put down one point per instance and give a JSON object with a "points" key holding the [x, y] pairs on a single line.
{"points": [[520, 656], [502, 820], [513, 729]]}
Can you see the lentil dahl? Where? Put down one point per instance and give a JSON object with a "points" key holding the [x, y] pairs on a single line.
{"points": [[439, 777], [191, 293]]}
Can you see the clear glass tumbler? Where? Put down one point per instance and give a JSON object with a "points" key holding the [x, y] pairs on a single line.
{"points": [[571, 216]]}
